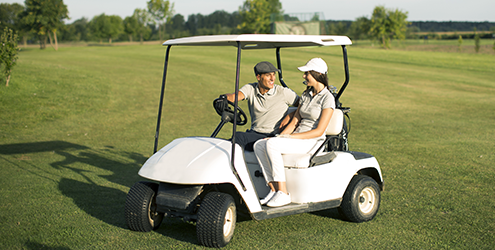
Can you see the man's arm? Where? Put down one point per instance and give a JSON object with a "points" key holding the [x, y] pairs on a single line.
{"points": [[231, 97]]}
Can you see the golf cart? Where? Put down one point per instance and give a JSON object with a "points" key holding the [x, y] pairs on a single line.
{"points": [[210, 181]]}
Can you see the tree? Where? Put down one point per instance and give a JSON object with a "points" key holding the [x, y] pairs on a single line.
{"points": [[143, 17], [106, 27], [77, 31], [477, 42], [388, 24], [8, 52], [56, 12], [9, 15], [131, 26], [336, 28], [161, 11], [218, 22], [255, 15], [459, 43], [44, 17], [192, 24], [359, 29], [176, 26]]}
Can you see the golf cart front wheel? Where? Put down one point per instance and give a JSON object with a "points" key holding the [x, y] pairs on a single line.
{"points": [[361, 199], [140, 207], [216, 220]]}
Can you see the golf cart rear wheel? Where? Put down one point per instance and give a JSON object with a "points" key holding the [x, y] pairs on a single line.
{"points": [[216, 220], [140, 207], [361, 199]]}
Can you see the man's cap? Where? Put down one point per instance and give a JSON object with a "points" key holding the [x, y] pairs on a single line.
{"points": [[316, 64], [264, 67]]}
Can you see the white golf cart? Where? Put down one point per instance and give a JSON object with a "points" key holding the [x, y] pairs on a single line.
{"points": [[210, 180]]}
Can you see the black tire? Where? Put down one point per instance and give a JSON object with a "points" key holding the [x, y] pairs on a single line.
{"points": [[140, 207], [361, 199], [216, 220]]}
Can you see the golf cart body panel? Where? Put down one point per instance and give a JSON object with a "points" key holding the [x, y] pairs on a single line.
{"points": [[190, 160], [327, 181], [318, 183], [199, 161]]}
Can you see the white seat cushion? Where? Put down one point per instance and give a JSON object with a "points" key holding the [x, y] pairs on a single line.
{"points": [[296, 160], [290, 160], [336, 122]]}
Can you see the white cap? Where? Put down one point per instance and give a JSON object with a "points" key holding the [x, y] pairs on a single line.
{"points": [[316, 64]]}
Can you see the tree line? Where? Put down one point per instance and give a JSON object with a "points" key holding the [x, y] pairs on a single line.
{"points": [[42, 21], [452, 26]]}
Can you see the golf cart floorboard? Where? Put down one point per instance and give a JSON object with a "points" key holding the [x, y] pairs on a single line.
{"points": [[295, 208]]}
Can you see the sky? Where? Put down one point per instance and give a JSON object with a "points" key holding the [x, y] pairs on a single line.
{"points": [[418, 10]]}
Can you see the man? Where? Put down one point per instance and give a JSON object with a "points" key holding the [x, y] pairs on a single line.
{"points": [[268, 104]]}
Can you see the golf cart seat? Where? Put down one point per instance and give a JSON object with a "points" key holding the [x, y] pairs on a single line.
{"points": [[334, 128], [302, 161]]}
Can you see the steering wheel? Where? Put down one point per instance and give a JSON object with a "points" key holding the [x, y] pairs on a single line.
{"points": [[224, 109]]}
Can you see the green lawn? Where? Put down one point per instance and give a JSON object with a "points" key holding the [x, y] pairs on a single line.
{"points": [[77, 124], [434, 45]]}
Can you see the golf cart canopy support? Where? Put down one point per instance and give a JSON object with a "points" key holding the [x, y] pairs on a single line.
{"points": [[246, 42]]}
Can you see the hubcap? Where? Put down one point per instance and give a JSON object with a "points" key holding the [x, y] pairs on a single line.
{"points": [[367, 200], [152, 212], [228, 222]]}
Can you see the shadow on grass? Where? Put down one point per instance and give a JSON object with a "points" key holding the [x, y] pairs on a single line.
{"points": [[88, 176], [329, 213], [38, 147], [85, 186], [94, 195], [177, 229]]}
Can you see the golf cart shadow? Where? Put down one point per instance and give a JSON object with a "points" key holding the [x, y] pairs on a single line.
{"points": [[39, 147], [91, 191], [87, 176], [95, 200], [332, 213], [176, 229]]}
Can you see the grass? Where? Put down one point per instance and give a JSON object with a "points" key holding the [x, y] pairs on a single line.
{"points": [[77, 124], [434, 45]]}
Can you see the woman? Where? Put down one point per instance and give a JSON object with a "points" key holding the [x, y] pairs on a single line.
{"points": [[304, 133]]}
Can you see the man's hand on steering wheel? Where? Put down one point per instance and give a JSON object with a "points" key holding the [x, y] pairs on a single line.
{"points": [[222, 107]]}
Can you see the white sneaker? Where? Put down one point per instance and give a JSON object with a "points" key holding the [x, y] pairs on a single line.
{"points": [[267, 198], [280, 199]]}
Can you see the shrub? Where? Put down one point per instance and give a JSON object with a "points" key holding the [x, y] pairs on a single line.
{"points": [[460, 43], [8, 52], [477, 43]]}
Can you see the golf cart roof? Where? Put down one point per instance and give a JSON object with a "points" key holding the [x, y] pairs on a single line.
{"points": [[261, 41]]}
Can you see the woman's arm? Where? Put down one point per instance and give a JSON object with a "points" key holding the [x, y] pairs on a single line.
{"points": [[325, 116]]}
